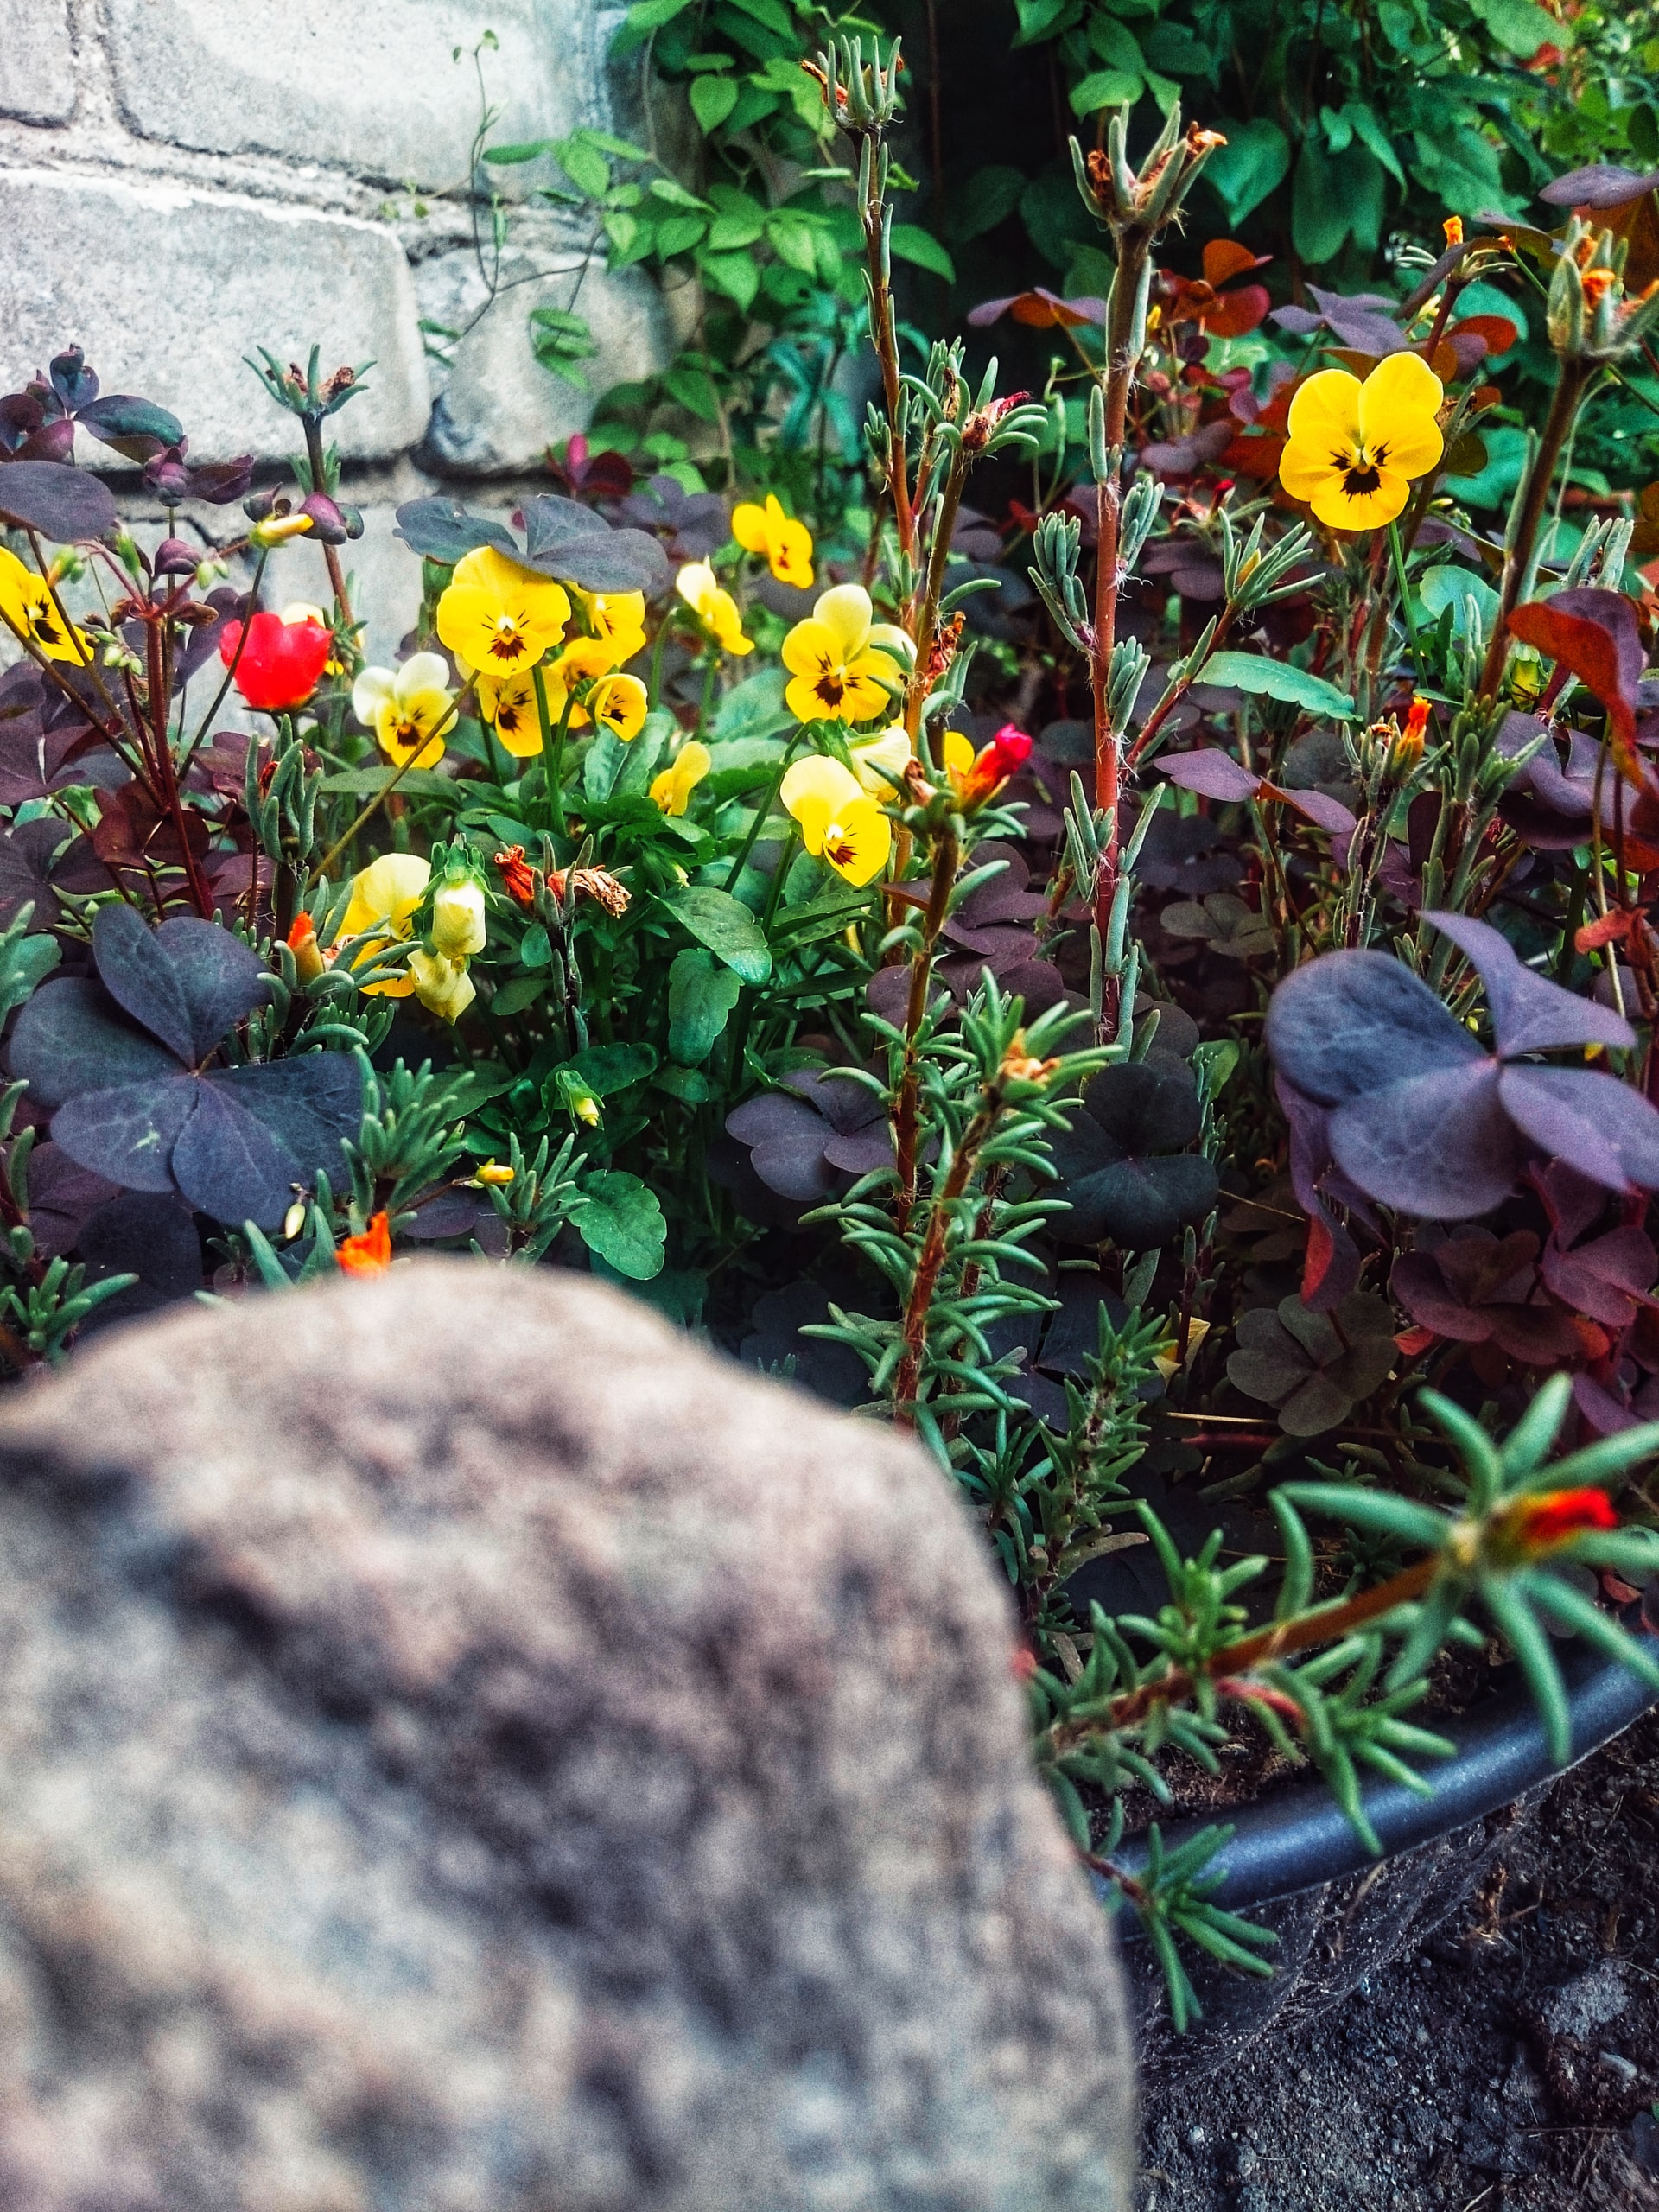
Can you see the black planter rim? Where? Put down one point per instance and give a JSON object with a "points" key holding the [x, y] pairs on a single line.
{"points": [[1298, 1838]]}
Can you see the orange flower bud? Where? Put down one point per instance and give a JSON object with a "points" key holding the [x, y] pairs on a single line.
{"points": [[369, 1254], [308, 954], [1453, 228], [1598, 283]]}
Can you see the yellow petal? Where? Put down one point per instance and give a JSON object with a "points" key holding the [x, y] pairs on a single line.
{"points": [[621, 704], [695, 585], [811, 647], [388, 890], [956, 754], [1324, 413], [1305, 470], [845, 612], [820, 779], [857, 841], [879, 762], [1399, 396], [1341, 509], [749, 527]]}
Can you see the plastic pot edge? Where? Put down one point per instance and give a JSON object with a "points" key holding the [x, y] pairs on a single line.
{"points": [[1299, 1838]]}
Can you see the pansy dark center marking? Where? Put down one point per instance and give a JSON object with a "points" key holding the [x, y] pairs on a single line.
{"points": [[1356, 482], [831, 688]]}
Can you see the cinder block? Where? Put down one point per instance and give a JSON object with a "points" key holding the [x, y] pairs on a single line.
{"points": [[37, 61], [375, 89], [169, 287]]}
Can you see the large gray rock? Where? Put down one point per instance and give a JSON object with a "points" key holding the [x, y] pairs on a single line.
{"points": [[376, 90], [466, 1749], [169, 287], [37, 62]]}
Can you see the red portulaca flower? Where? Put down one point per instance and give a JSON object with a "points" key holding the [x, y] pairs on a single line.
{"points": [[280, 662]]}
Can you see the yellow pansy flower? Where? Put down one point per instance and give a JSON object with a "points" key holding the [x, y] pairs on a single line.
{"points": [[404, 706], [508, 706], [620, 704], [787, 544], [715, 609], [672, 790], [1354, 448], [879, 762], [26, 606], [384, 896], [617, 620], [841, 662], [840, 823], [497, 617], [442, 985]]}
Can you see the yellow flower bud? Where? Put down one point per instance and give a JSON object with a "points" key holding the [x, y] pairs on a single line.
{"points": [[492, 1172], [443, 987], [278, 528], [458, 919]]}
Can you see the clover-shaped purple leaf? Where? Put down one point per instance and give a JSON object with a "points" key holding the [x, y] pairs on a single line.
{"points": [[1349, 1023], [1424, 1120], [1122, 1167], [1477, 1288], [1314, 1368], [125, 1061], [803, 1146]]}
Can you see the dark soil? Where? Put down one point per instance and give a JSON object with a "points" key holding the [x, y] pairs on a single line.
{"points": [[1511, 2064]]}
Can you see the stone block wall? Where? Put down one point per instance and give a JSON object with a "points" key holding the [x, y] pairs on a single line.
{"points": [[184, 180]]}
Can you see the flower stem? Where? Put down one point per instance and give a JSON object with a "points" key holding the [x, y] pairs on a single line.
{"points": [[552, 749], [906, 1116], [1518, 560]]}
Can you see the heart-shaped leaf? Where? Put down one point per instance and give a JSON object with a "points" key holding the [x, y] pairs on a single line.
{"points": [[129, 1133], [1121, 1165], [1351, 1023], [1594, 1123], [1529, 1014], [135, 429], [61, 503], [564, 539], [1594, 634], [442, 530], [1438, 1144], [187, 982]]}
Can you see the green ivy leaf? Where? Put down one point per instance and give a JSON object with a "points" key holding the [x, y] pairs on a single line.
{"points": [[712, 100], [734, 274], [989, 196], [621, 1220], [24, 962], [701, 995], [644, 18], [726, 926], [912, 243], [1253, 163], [1276, 679], [1106, 88], [583, 163]]}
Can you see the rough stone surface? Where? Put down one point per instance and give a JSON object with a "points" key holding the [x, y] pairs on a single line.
{"points": [[376, 90], [37, 63], [465, 1748], [500, 409], [168, 287]]}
